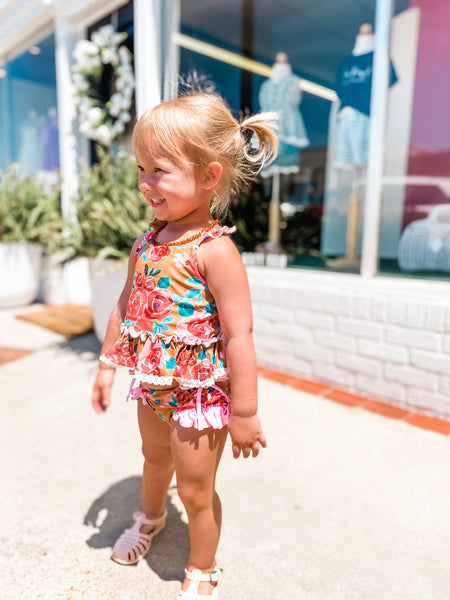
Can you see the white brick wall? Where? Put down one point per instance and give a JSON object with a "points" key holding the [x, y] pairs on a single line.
{"points": [[382, 338]]}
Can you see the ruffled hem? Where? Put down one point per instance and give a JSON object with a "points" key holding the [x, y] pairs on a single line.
{"points": [[160, 362], [208, 416], [217, 232], [131, 332], [182, 382], [220, 374]]}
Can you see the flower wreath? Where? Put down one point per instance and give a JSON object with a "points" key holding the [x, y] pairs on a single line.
{"points": [[103, 119]]}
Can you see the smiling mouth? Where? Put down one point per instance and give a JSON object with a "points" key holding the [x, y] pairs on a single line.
{"points": [[156, 202]]}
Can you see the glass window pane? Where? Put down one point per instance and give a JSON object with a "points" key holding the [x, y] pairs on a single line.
{"points": [[415, 229], [309, 205], [28, 115]]}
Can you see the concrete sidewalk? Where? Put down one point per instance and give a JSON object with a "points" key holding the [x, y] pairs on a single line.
{"points": [[342, 505]]}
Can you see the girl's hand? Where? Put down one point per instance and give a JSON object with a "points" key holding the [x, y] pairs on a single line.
{"points": [[101, 394], [246, 435]]}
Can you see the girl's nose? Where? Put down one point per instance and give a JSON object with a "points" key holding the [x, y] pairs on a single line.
{"points": [[146, 182]]}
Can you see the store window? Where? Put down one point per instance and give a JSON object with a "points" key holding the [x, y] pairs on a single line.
{"points": [[309, 206], [28, 110], [415, 226]]}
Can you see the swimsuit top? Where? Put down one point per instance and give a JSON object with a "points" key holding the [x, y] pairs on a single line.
{"points": [[171, 334]]}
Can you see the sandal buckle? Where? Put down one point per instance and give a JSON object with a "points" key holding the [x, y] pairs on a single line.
{"points": [[214, 576]]}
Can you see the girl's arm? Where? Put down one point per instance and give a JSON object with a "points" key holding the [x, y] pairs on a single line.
{"points": [[227, 280], [101, 393]]}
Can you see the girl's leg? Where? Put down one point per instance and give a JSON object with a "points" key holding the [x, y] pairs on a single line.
{"points": [[158, 463], [196, 455]]}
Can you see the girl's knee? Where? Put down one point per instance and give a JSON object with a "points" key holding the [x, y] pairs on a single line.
{"points": [[157, 455], [195, 498]]}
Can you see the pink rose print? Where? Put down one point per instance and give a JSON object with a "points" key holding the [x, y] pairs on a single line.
{"points": [[140, 277], [122, 354], [185, 361], [150, 365], [157, 253], [159, 304], [202, 371], [149, 284], [136, 303], [125, 348], [193, 263], [184, 398], [200, 328]]}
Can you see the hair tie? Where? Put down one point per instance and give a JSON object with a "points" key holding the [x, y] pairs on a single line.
{"points": [[246, 133]]}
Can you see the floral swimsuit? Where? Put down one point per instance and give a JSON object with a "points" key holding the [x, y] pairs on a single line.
{"points": [[171, 337]]}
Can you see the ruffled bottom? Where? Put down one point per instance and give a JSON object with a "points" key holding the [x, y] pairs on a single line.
{"points": [[207, 416], [199, 408]]}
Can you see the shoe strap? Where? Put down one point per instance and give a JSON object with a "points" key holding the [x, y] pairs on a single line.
{"points": [[139, 516], [196, 575]]}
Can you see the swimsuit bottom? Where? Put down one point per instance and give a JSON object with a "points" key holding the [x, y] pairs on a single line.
{"points": [[195, 407]]}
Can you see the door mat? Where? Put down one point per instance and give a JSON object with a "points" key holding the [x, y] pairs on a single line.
{"points": [[9, 354], [68, 319]]}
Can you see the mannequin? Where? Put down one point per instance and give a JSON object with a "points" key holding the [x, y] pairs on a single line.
{"points": [[281, 94], [50, 142], [29, 152], [354, 87]]}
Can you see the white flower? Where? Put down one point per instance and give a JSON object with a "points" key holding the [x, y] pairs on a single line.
{"points": [[116, 104], [80, 82], [125, 117], [110, 56], [86, 130], [103, 36], [124, 55], [102, 121], [94, 116], [83, 49], [118, 38], [103, 135], [125, 80], [117, 128]]}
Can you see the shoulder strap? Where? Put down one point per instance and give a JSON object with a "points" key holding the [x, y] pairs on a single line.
{"points": [[216, 232]]}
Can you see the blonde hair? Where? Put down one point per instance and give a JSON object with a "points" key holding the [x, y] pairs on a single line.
{"points": [[200, 129]]}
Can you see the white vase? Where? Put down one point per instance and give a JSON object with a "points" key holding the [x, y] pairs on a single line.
{"points": [[20, 270], [67, 283], [107, 280]]}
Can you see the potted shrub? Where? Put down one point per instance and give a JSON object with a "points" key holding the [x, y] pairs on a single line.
{"points": [[111, 215], [30, 223]]}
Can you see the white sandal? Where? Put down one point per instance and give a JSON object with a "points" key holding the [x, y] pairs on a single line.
{"points": [[133, 545], [195, 576]]}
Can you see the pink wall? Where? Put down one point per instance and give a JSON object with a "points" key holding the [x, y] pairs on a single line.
{"points": [[429, 152]]}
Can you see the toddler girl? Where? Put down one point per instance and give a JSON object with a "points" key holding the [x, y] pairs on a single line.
{"points": [[183, 323]]}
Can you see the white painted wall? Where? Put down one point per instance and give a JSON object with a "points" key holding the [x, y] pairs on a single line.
{"points": [[388, 339]]}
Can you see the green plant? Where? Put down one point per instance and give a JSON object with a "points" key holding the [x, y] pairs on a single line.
{"points": [[250, 214], [301, 234], [27, 213], [110, 209]]}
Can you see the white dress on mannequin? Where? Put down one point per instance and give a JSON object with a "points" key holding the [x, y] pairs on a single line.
{"points": [[30, 143]]}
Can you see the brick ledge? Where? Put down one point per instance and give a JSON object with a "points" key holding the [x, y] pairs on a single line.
{"points": [[353, 400]]}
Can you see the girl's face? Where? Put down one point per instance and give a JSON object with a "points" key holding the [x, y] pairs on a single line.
{"points": [[173, 190]]}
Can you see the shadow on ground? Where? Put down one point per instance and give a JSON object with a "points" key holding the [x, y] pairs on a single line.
{"points": [[83, 343], [112, 512]]}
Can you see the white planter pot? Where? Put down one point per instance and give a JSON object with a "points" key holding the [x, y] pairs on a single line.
{"points": [[20, 270], [107, 280], [65, 284]]}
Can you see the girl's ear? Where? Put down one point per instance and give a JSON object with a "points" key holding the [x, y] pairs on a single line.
{"points": [[212, 175]]}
